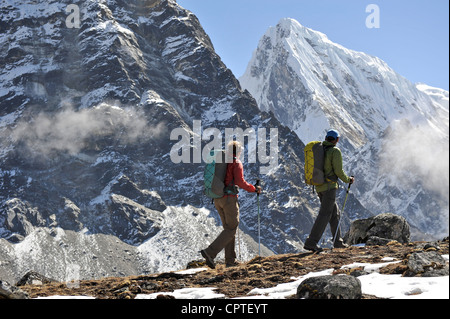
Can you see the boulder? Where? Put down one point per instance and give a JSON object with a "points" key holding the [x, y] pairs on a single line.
{"points": [[34, 278], [426, 264], [330, 287], [377, 241], [379, 229], [8, 291]]}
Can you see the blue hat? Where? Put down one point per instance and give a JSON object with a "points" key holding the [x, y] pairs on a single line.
{"points": [[333, 133]]}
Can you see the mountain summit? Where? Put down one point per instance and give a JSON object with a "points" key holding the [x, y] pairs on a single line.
{"points": [[394, 133], [351, 90]]}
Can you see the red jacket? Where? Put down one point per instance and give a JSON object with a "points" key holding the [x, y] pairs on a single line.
{"points": [[236, 170]]}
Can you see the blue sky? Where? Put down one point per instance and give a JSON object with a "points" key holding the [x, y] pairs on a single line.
{"points": [[413, 37]]}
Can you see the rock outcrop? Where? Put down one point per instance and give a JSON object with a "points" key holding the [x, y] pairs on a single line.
{"points": [[426, 264], [330, 287], [11, 292], [379, 229]]}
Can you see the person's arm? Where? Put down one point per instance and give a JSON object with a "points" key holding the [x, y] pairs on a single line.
{"points": [[239, 180], [338, 166]]}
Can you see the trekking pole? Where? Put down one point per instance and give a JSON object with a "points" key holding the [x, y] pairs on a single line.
{"points": [[259, 222], [342, 213]]}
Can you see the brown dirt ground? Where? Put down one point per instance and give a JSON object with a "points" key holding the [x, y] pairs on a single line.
{"points": [[240, 280]]}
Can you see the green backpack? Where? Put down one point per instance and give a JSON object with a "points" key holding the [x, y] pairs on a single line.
{"points": [[214, 174]]}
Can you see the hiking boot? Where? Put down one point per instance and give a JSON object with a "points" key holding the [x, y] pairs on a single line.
{"points": [[208, 259], [340, 244], [232, 264], [314, 249]]}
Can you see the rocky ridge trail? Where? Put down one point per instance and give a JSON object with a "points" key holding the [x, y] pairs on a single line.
{"points": [[257, 273]]}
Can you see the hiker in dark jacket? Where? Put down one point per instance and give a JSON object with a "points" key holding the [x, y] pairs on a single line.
{"points": [[228, 208], [329, 211]]}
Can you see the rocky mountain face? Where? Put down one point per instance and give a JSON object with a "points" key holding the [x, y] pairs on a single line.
{"points": [[394, 133], [89, 107]]}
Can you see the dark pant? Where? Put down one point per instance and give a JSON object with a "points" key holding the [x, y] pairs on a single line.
{"points": [[329, 213]]}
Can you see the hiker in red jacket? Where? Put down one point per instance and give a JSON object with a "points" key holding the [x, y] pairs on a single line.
{"points": [[228, 208]]}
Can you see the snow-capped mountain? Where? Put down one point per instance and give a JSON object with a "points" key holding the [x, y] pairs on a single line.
{"points": [[89, 187], [394, 133]]}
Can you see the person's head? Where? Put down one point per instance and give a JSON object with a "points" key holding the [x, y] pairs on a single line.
{"points": [[332, 136], [235, 148]]}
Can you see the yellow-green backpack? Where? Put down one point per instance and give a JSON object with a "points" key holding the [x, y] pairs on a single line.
{"points": [[314, 163]]}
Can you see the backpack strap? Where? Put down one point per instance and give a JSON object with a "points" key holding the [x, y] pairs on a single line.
{"points": [[231, 189], [331, 178]]}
